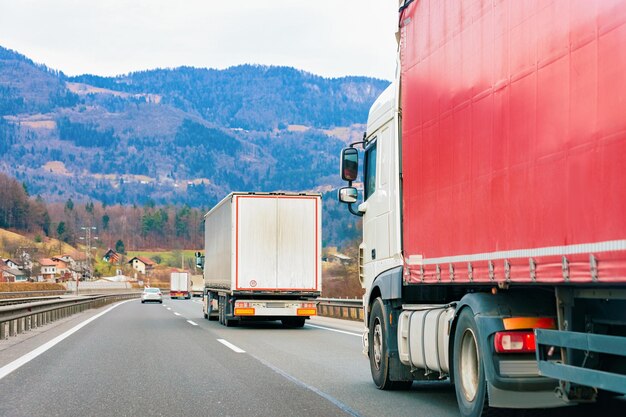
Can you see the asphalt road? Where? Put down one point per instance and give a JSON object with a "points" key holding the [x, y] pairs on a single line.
{"points": [[167, 360]]}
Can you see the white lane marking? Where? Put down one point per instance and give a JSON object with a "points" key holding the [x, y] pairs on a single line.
{"points": [[231, 346], [192, 323], [334, 330], [176, 314], [169, 309], [7, 369]]}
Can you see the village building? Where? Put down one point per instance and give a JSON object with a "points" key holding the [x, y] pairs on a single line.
{"points": [[111, 257], [141, 264], [337, 258], [48, 269], [12, 264], [11, 275], [62, 263]]}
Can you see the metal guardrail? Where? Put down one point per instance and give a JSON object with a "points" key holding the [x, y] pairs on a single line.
{"points": [[19, 318], [8, 295], [18, 315], [11, 301], [347, 309]]}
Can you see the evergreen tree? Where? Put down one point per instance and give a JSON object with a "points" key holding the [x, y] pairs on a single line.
{"points": [[119, 246]]}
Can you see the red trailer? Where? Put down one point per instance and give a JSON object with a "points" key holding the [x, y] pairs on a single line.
{"points": [[494, 246]]}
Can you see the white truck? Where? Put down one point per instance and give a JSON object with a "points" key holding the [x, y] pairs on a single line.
{"points": [[197, 285], [494, 234], [180, 285], [262, 258]]}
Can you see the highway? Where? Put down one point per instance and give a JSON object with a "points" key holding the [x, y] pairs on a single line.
{"points": [[167, 360]]}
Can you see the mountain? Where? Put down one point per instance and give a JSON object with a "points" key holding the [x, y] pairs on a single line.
{"points": [[176, 136]]}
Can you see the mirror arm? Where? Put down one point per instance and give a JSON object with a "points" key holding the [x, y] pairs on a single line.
{"points": [[362, 143], [350, 208], [356, 213]]}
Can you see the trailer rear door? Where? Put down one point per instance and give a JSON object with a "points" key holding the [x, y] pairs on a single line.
{"points": [[277, 242]]}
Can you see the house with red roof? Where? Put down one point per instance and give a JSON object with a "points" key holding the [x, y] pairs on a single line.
{"points": [[141, 264], [48, 269]]}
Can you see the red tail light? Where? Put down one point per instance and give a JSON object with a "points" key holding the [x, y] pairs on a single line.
{"points": [[515, 342]]}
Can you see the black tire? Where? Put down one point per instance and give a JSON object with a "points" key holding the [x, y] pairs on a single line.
{"points": [[143, 301], [220, 309], [210, 312], [470, 383], [293, 322], [231, 322], [377, 350], [161, 302]]}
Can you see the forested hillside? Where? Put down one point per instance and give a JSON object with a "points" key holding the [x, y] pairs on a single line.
{"points": [[167, 139]]}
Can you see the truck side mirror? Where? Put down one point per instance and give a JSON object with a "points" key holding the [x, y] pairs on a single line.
{"points": [[200, 260], [349, 164], [348, 195]]}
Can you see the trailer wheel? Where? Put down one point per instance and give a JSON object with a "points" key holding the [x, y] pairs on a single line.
{"points": [[210, 312], [470, 383], [378, 353], [220, 309]]}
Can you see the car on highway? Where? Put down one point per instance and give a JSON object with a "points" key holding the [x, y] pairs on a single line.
{"points": [[151, 294]]}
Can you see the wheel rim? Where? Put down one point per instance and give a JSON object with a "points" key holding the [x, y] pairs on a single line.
{"points": [[378, 344], [469, 365]]}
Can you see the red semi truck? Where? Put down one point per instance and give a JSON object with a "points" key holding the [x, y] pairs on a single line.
{"points": [[494, 203]]}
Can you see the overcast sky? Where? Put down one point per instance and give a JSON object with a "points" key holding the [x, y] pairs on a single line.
{"points": [[331, 38]]}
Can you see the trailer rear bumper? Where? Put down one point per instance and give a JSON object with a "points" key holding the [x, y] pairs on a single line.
{"points": [[501, 398], [178, 293], [274, 308]]}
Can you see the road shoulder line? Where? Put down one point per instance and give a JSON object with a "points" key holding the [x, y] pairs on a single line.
{"points": [[333, 330], [16, 364]]}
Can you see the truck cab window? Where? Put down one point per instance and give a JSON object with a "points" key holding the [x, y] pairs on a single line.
{"points": [[370, 170]]}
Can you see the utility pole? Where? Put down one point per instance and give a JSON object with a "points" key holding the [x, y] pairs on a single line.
{"points": [[87, 238]]}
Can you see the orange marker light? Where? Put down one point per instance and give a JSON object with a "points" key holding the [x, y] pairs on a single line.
{"points": [[519, 323], [307, 312], [244, 311]]}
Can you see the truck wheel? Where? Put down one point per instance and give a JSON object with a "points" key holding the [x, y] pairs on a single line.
{"points": [[378, 353], [469, 374]]}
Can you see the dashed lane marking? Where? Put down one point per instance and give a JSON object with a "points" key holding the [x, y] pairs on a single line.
{"points": [[192, 323], [231, 346]]}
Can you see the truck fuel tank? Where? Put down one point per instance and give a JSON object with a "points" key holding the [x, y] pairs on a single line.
{"points": [[424, 335]]}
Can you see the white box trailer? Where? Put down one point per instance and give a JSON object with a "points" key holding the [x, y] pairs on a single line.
{"points": [[180, 285], [262, 258]]}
